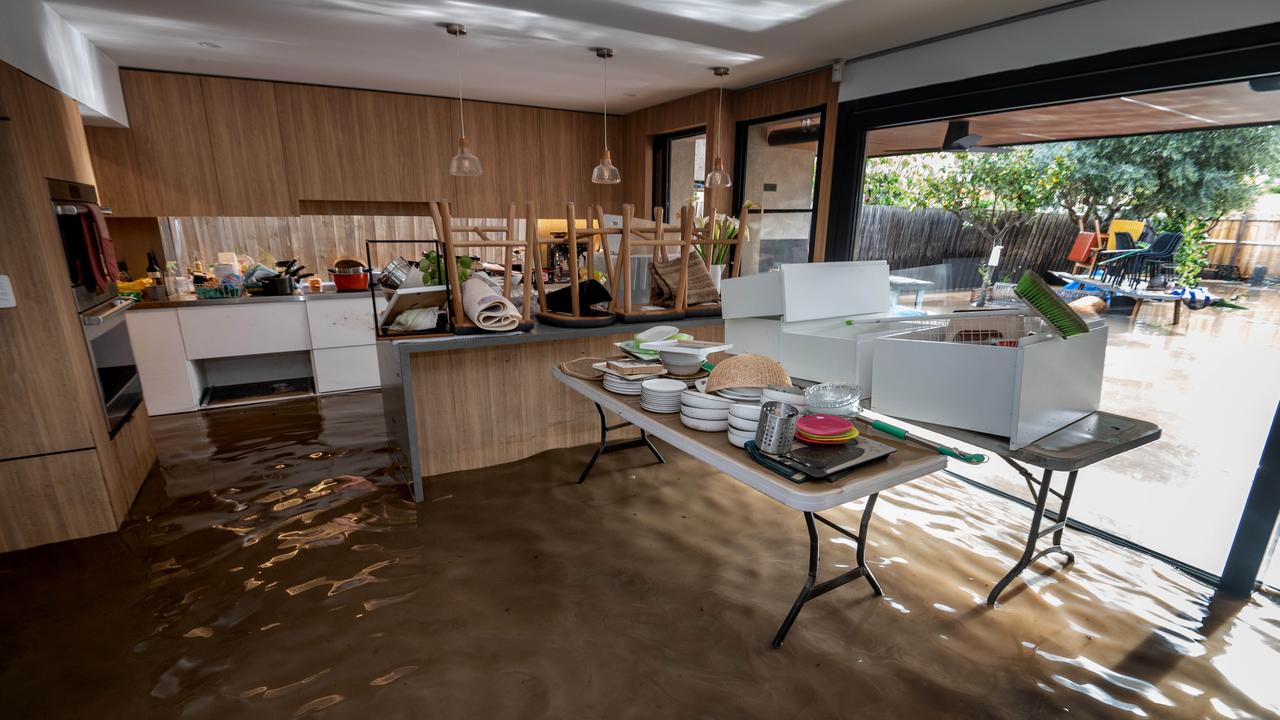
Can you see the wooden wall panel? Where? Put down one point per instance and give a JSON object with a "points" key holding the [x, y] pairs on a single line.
{"points": [[53, 498], [171, 137], [125, 462], [49, 403], [248, 154], [115, 166]]}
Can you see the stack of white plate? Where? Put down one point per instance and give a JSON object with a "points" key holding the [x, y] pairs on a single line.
{"points": [[743, 419], [621, 385], [700, 411], [747, 395], [661, 395]]}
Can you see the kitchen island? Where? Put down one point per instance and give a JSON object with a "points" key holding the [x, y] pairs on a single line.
{"points": [[467, 402]]}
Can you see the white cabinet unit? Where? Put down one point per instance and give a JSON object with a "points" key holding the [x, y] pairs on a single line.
{"points": [[346, 368], [170, 382], [341, 322], [247, 329]]}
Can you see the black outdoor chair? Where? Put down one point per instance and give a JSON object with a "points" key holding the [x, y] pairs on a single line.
{"points": [[1160, 252], [1118, 265]]}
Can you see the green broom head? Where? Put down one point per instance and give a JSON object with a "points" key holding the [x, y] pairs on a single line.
{"points": [[1055, 311]]}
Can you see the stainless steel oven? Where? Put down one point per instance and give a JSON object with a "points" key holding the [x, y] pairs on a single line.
{"points": [[91, 269], [119, 384]]}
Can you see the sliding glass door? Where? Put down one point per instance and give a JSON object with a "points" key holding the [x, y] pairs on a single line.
{"points": [[778, 160]]}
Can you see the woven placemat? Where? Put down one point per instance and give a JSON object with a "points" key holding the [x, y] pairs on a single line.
{"points": [[581, 368]]}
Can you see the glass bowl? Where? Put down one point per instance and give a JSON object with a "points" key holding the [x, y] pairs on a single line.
{"points": [[834, 398]]}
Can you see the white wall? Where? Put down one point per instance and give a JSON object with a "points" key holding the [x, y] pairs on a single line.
{"points": [[1091, 29], [37, 41]]}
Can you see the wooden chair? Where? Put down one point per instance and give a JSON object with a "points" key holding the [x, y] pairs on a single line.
{"points": [[659, 237], [596, 235], [1084, 251], [472, 237]]}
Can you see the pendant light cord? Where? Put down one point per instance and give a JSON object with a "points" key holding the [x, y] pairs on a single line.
{"points": [[462, 118], [605, 64], [719, 114]]}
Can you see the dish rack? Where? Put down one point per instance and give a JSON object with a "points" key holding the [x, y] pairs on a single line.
{"points": [[222, 292], [1024, 384]]}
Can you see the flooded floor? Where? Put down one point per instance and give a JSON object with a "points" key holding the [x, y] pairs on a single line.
{"points": [[271, 568]]}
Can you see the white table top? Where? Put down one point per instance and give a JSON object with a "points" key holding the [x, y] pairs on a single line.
{"points": [[909, 463]]}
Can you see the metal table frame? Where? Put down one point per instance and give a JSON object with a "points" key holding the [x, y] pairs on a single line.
{"points": [[1089, 440], [808, 498]]}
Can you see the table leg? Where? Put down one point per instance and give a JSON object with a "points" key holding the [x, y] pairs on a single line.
{"points": [[919, 299], [603, 448], [1029, 554], [1177, 311], [812, 590]]}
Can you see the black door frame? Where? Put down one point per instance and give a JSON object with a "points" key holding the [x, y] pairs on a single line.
{"points": [[661, 157], [740, 163], [1207, 60]]}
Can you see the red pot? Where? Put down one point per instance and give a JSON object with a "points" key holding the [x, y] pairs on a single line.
{"points": [[350, 281]]}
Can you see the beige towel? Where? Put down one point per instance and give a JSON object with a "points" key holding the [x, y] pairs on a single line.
{"points": [[664, 282], [487, 308]]}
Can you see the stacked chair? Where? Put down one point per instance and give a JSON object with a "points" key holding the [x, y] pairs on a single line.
{"points": [[580, 311], [505, 238]]}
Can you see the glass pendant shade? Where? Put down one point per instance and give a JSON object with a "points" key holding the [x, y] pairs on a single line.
{"points": [[605, 173], [465, 163], [718, 177]]}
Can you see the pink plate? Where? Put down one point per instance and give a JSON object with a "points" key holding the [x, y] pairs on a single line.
{"points": [[823, 425]]}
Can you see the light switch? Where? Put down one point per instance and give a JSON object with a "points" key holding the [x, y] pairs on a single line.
{"points": [[7, 300]]}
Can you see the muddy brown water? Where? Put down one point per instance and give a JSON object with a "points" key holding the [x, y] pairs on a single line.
{"points": [[271, 567]]}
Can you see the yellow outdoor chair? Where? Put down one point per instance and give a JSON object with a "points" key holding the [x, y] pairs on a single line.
{"points": [[1133, 227]]}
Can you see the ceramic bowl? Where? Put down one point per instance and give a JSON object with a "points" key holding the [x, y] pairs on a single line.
{"points": [[743, 425], [703, 425], [738, 439], [746, 411], [693, 398], [680, 363], [705, 413], [794, 399]]}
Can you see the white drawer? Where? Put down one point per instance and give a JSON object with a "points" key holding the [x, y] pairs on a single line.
{"points": [[346, 368], [341, 323], [249, 329]]}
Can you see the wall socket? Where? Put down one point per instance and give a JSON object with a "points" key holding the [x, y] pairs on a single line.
{"points": [[7, 299]]}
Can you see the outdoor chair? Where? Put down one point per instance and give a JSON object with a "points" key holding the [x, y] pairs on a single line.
{"points": [[1084, 253], [1118, 265], [1160, 252]]}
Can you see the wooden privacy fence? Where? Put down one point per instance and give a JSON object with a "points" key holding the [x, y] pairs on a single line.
{"points": [[1246, 243], [921, 238]]}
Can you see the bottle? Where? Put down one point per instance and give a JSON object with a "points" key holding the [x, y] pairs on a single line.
{"points": [[123, 275], [153, 269]]}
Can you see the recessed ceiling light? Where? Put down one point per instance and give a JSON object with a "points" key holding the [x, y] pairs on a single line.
{"points": [[206, 43]]}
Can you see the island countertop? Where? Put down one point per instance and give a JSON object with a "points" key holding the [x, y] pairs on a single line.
{"points": [[190, 300]]}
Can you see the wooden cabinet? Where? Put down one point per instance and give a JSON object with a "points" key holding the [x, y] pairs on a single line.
{"points": [[170, 128], [360, 145], [248, 154], [115, 165]]}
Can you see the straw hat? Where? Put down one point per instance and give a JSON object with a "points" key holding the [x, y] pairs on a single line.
{"points": [[747, 371]]}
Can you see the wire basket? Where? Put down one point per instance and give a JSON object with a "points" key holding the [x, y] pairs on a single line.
{"points": [[221, 292], [1002, 294]]}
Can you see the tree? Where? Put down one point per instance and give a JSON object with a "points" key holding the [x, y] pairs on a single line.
{"points": [[1170, 179]]}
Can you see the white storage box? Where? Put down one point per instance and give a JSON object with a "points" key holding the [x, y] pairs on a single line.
{"points": [[1022, 393], [809, 291], [827, 350]]}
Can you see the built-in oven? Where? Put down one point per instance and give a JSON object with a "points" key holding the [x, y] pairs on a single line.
{"points": [[91, 268], [107, 334]]}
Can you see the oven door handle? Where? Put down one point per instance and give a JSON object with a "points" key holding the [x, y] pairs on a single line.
{"points": [[98, 318]]}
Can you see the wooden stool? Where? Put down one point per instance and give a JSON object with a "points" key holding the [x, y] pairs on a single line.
{"points": [[658, 236], [596, 236], [471, 237]]}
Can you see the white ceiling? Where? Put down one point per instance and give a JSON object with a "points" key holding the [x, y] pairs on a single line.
{"points": [[530, 52]]}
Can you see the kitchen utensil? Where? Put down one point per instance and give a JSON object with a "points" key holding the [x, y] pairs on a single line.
{"points": [[902, 434], [297, 270], [280, 285], [793, 396], [394, 273], [350, 281], [680, 363], [777, 428], [833, 398], [583, 368]]}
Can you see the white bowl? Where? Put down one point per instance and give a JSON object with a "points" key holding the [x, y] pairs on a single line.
{"points": [[705, 413], [704, 425], [796, 400], [746, 411], [738, 439], [680, 363], [743, 425], [693, 398]]}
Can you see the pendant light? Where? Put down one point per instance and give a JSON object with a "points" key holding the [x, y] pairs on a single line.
{"points": [[718, 177], [605, 173], [465, 163]]}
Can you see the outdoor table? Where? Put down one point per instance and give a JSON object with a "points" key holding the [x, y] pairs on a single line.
{"points": [[1138, 296], [899, 284], [809, 498], [1084, 442]]}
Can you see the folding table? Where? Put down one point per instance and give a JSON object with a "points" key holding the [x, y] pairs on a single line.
{"points": [[865, 481], [1084, 442]]}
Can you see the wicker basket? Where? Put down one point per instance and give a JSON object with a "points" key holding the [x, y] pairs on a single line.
{"points": [[747, 371]]}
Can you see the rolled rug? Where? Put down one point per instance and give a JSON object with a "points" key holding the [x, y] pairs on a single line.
{"points": [[487, 308]]}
